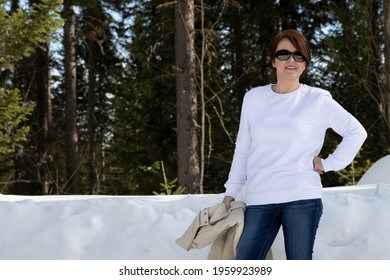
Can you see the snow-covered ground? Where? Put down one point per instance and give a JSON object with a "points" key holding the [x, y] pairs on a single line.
{"points": [[355, 225]]}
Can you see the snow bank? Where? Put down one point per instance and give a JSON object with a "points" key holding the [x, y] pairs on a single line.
{"points": [[355, 225], [379, 172]]}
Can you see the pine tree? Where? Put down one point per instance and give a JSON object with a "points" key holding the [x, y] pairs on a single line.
{"points": [[23, 31]]}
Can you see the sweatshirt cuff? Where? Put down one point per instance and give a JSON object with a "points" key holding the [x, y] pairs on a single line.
{"points": [[327, 165], [232, 191]]}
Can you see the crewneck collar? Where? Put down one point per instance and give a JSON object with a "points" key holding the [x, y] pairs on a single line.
{"points": [[287, 93]]}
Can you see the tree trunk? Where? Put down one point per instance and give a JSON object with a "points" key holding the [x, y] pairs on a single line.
{"points": [[186, 98], [71, 135], [386, 97], [91, 117], [43, 108]]}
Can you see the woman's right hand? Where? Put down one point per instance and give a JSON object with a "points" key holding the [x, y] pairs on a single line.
{"points": [[227, 200]]}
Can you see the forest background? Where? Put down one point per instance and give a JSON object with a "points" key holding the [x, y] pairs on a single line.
{"points": [[144, 97]]}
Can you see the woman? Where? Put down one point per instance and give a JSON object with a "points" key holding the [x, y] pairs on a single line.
{"points": [[281, 133]]}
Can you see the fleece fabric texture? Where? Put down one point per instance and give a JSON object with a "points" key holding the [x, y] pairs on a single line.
{"points": [[279, 136]]}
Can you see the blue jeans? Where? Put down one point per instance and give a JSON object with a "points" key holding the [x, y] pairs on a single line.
{"points": [[299, 220]]}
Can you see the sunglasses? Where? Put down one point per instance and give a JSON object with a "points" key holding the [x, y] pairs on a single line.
{"points": [[285, 55]]}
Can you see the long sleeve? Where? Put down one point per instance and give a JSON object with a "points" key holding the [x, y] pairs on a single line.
{"points": [[348, 127], [237, 175]]}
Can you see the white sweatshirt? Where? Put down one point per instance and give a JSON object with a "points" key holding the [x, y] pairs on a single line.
{"points": [[279, 136]]}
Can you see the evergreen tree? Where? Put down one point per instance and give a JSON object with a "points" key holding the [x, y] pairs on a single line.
{"points": [[23, 33], [125, 115], [144, 132]]}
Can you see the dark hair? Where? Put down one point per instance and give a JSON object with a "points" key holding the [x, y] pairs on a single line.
{"points": [[297, 39]]}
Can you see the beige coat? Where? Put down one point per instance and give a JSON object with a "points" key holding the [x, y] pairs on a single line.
{"points": [[218, 226]]}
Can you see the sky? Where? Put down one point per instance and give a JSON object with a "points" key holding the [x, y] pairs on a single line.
{"points": [[355, 225]]}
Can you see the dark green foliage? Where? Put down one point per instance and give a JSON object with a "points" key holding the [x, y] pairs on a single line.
{"points": [[145, 119], [134, 104], [13, 115], [21, 31]]}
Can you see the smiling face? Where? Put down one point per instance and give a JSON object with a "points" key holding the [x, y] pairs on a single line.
{"points": [[288, 70]]}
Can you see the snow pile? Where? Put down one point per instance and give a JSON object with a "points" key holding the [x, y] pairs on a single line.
{"points": [[355, 225], [379, 172]]}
